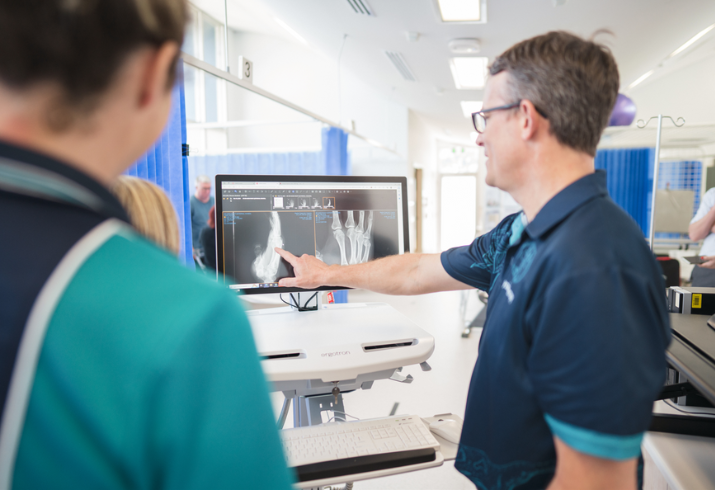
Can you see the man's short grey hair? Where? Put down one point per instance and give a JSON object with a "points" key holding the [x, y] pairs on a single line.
{"points": [[202, 179], [571, 81]]}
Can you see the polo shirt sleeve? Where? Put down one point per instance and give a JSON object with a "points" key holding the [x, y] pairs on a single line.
{"points": [[479, 263], [597, 360]]}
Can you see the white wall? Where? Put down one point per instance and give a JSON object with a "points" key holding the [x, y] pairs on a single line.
{"points": [[422, 153], [687, 92], [310, 80]]}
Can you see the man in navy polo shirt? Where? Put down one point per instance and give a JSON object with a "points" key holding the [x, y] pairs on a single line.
{"points": [[573, 350]]}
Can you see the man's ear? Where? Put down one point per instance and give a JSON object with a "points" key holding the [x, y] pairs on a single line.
{"points": [[157, 68], [531, 121]]}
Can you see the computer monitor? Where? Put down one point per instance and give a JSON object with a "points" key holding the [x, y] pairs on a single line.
{"points": [[340, 220]]}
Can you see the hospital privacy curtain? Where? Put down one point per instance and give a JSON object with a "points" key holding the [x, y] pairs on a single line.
{"points": [[166, 166]]}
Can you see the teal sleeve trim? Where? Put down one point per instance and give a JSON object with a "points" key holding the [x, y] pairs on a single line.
{"points": [[594, 443]]}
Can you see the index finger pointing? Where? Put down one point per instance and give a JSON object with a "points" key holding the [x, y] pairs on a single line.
{"points": [[285, 254]]}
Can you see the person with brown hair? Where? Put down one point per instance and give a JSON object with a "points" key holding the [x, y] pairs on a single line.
{"points": [[119, 368], [150, 211], [572, 354]]}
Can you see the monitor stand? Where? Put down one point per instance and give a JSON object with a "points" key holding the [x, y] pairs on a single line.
{"points": [[348, 346]]}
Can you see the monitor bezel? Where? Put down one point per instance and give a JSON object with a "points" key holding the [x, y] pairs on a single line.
{"points": [[220, 178]]}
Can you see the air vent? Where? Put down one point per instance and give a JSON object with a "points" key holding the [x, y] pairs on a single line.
{"points": [[288, 355], [399, 62], [360, 7], [391, 345]]}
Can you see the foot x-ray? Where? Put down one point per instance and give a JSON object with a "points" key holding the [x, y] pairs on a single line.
{"points": [[349, 241]]}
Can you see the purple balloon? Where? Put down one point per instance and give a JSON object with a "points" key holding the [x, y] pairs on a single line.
{"points": [[624, 112]]}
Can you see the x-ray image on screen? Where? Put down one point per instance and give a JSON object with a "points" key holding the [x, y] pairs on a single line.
{"points": [[340, 220], [256, 234], [354, 237]]}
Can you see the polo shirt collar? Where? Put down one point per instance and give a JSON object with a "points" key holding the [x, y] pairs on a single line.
{"points": [[27, 172], [567, 201]]}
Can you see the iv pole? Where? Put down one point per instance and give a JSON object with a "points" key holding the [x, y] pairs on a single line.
{"points": [[642, 124]]}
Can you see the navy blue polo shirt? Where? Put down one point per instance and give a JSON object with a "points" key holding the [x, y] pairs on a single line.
{"points": [[574, 342]]}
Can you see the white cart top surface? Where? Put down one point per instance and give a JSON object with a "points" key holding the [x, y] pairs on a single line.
{"points": [[338, 342]]}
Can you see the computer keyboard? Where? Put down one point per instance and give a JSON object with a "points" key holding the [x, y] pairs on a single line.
{"points": [[346, 448]]}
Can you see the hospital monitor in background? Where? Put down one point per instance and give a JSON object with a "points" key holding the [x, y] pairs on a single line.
{"points": [[340, 220]]}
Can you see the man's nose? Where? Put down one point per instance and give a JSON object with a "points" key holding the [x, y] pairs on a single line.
{"points": [[480, 139]]}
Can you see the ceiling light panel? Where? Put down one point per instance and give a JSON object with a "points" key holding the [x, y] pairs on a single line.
{"points": [[401, 65], [469, 73], [470, 106], [360, 7], [460, 10]]}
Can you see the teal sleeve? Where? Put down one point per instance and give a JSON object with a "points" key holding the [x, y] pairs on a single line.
{"points": [[594, 443], [148, 378]]}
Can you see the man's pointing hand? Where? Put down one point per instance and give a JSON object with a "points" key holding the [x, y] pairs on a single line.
{"points": [[309, 272]]}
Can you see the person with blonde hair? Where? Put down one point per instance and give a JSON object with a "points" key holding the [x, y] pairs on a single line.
{"points": [[150, 211]]}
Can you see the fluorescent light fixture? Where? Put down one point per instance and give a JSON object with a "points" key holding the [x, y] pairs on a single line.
{"points": [[691, 41], [470, 106], [460, 10], [640, 79], [290, 31], [469, 73]]}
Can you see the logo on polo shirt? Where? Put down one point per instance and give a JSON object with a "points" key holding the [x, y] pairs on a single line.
{"points": [[509, 293], [521, 263]]}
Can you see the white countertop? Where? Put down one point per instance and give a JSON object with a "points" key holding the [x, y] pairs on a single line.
{"points": [[686, 462]]}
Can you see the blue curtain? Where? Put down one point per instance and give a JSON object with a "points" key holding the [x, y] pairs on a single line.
{"points": [[165, 166], [303, 163], [335, 151], [630, 180], [332, 159], [684, 175]]}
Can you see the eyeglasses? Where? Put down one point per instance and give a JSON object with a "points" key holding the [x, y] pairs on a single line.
{"points": [[480, 122]]}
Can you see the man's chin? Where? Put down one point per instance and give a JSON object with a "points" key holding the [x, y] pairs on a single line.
{"points": [[489, 180]]}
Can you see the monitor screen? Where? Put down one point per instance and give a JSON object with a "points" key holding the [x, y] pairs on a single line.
{"points": [[340, 220]]}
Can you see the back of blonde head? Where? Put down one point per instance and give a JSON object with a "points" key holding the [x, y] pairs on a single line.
{"points": [[150, 211]]}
